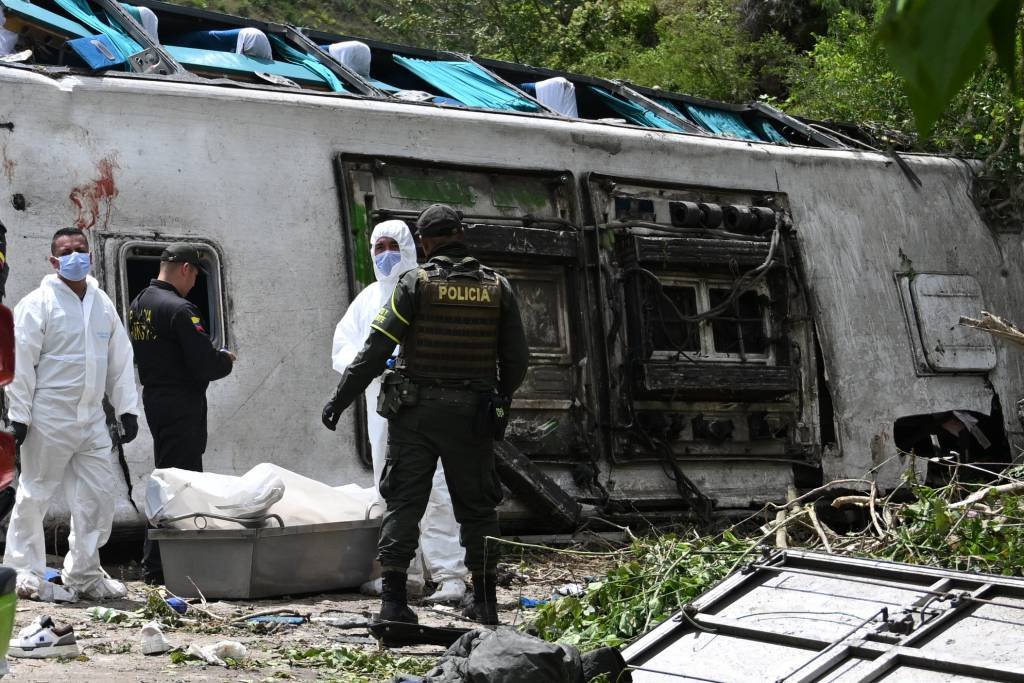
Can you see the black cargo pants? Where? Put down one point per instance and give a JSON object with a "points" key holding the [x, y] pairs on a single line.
{"points": [[417, 437], [177, 421]]}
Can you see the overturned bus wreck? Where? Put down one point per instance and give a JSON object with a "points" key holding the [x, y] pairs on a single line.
{"points": [[721, 301]]}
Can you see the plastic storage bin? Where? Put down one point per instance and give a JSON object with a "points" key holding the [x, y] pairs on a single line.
{"points": [[268, 561]]}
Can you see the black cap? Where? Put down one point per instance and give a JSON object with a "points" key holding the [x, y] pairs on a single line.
{"points": [[437, 220], [183, 253]]}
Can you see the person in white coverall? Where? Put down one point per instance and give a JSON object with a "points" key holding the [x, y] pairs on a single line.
{"points": [[394, 252], [70, 350]]}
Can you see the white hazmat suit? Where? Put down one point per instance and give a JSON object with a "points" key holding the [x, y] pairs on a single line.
{"points": [[69, 352], [443, 555]]}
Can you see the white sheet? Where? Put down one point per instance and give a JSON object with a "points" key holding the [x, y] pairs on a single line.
{"points": [[150, 22], [7, 38], [265, 489], [558, 94], [353, 54], [254, 43]]}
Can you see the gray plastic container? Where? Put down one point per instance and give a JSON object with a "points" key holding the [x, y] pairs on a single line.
{"points": [[269, 561]]}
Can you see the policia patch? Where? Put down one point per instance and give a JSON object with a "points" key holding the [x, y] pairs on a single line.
{"points": [[456, 332], [456, 312], [485, 295]]}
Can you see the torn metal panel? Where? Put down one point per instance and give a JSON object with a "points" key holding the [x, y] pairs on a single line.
{"points": [[535, 488], [721, 381], [695, 251], [527, 241], [809, 617]]}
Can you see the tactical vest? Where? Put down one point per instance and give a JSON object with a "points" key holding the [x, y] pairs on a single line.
{"points": [[454, 337]]}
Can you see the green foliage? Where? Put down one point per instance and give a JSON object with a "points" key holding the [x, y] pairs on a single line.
{"points": [[937, 45], [967, 539], [658, 577], [155, 609], [351, 664], [342, 16], [602, 36], [846, 77], [592, 36], [701, 50]]}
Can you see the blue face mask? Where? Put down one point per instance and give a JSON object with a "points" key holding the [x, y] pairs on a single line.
{"points": [[74, 266], [386, 260]]}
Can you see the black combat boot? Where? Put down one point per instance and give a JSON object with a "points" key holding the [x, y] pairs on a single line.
{"points": [[393, 601], [484, 609]]}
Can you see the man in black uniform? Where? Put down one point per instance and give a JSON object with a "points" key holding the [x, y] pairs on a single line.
{"points": [[176, 362], [463, 354]]}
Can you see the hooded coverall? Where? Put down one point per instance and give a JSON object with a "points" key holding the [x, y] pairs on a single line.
{"points": [[439, 532], [69, 352]]}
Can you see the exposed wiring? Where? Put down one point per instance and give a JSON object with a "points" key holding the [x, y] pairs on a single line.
{"points": [[676, 230], [741, 284]]}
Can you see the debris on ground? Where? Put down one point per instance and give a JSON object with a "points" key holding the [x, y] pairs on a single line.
{"points": [[962, 525], [219, 653], [614, 592], [152, 640], [508, 656]]}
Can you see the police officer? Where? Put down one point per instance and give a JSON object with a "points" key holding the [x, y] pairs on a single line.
{"points": [[176, 362], [463, 353]]}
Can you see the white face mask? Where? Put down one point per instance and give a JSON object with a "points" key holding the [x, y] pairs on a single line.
{"points": [[387, 260], [74, 266]]}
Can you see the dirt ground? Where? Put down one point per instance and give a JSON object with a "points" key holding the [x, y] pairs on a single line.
{"points": [[111, 651]]}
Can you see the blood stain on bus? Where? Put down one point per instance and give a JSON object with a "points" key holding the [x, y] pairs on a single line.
{"points": [[88, 198]]}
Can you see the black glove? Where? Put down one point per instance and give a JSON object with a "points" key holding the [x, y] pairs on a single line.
{"points": [[330, 416], [130, 425], [20, 430]]}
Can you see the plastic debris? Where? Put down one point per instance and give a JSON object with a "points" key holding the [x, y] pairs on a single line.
{"points": [[276, 619], [569, 589], [153, 640], [218, 652], [109, 615], [22, 56], [530, 602], [344, 620], [32, 587], [177, 604]]}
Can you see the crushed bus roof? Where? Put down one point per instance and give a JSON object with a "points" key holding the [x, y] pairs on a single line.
{"points": [[164, 40]]}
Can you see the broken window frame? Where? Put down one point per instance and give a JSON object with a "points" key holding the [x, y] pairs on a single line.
{"points": [[516, 220], [216, 309], [705, 329], [555, 275]]}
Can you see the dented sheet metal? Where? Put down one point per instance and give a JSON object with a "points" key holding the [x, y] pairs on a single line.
{"points": [[801, 616]]}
